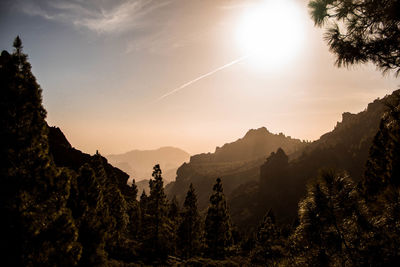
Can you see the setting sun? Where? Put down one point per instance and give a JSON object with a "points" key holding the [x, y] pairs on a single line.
{"points": [[200, 133], [270, 33]]}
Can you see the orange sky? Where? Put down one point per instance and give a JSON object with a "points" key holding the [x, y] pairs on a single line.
{"points": [[102, 65]]}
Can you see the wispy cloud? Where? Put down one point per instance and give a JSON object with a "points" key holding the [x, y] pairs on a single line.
{"points": [[98, 16], [238, 4], [183, 86]]}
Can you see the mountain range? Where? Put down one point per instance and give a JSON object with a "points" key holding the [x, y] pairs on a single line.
{"points": [[264, 171], [261, 171], [236, 163], [139, 163]]}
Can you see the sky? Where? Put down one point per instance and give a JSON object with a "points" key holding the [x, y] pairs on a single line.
{"points": [[140, 74]]}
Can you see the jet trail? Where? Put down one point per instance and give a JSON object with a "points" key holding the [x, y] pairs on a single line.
{"points": [[201, 77]]}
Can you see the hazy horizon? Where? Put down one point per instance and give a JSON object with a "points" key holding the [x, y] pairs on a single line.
{"points": [[105, 67]]}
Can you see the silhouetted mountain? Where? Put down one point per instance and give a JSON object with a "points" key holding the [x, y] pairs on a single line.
{"points": [[64, 155], [139, 163], [235, 163], [283, 182]]}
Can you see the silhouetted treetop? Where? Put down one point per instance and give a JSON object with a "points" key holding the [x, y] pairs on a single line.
{"points": [[360, 31]]}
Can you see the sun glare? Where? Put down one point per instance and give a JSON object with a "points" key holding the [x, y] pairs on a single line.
{"points": [[271, 33]]}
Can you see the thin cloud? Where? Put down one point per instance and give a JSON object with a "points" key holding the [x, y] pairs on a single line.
{"points": [[101, 17], [183, 86]]}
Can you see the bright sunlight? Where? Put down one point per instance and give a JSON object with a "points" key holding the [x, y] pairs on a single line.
{"points": [[271, 33]]}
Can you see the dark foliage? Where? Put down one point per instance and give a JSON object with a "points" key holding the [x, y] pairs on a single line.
{"points": [[61, 207], [34, 192], [383, 165], [218, 236], [157, 228], [269, 246], [369, 31], [189, 231]]}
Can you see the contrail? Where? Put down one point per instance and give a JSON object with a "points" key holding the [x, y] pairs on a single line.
{"points": [[201, 77]]}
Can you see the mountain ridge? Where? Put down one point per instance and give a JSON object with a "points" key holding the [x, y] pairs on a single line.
{"points": [[139, 163], [235, 163]]}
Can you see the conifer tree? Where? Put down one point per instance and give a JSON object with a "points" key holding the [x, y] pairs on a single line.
{"points": [[90, 213], [157, 230], [189, 231], [116, 205], [134, 213], [36, 227], [173, 209], [332, 223], [383, 165], [381, 187], [143, 202], [358, 31], [218, 235], [268, 246], [174, 218]]}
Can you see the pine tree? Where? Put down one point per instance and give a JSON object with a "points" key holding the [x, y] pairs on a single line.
{"points": [[174, 218], [173, 209], [268, 245], [189, 231], [37, 228], [383, 165], [381, 187], [91, 214], [143, 202], [218, 235], [157, 229], [332, 223], [359, 31], [134, 213], [116, 205]]}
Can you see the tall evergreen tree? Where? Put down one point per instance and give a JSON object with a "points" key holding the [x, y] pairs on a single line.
{"points": [[91, 215], [189, 231], [157, 230], [143, 202], [218, 234], [268, 247], [381, 186], [174, 218], [134, 213], [36, 227], [332, 222], [117, 209], [383, 165]]}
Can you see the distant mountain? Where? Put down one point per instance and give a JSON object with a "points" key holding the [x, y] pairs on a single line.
{"points": [[143, 185], [139, 163], [282, 181], [64, 155], [236, 163]]}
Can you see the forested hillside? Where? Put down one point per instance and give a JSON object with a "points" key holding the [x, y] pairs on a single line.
{"points": [[263, 200], [345, 148]]}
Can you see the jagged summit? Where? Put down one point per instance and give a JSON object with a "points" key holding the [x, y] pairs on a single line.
{"points": [[257, 132], [254, 144], [235, 163]]}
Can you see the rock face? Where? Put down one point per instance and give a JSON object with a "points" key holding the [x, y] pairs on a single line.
{"points": [[282, 182], [235, 163], [64, 155], [139, 163], [253, 185]]}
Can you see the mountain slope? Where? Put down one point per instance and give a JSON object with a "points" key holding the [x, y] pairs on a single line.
{"points": [[283, 182], [235, 163], [139, 163], [64, 155]]}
